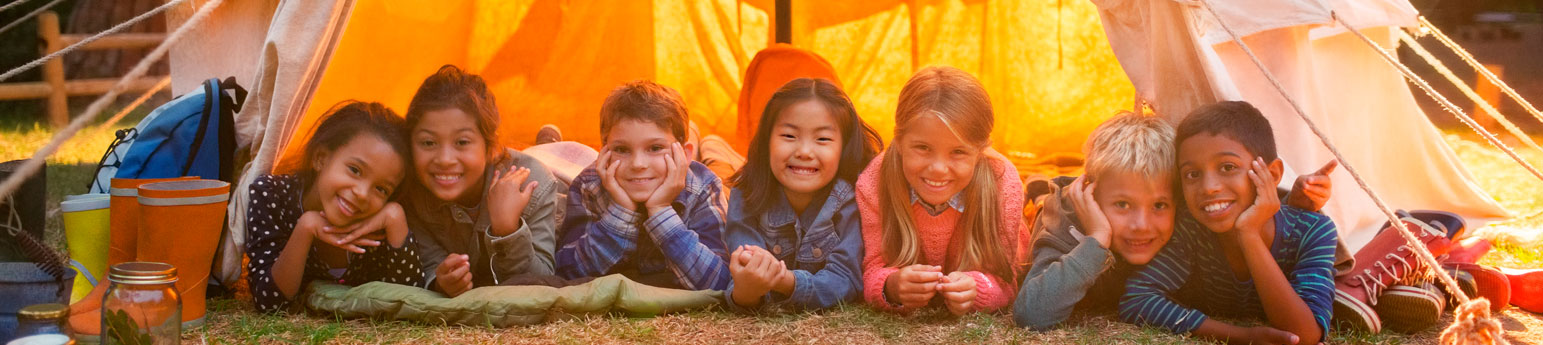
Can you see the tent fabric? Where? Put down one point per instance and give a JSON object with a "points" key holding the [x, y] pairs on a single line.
{"points": [[1342, 84], [1374, 121], [1157, 42], [1251, 17], [504, 306], [1045, 64], [1051, 79], [772, 67], [298, 45], [547, 61], [1052, 74], [230, 51]]}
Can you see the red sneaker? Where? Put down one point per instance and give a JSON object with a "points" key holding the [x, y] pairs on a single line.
{"points": [[1488, 281], [1468, 251], [1526, 288], [1383, 262]]}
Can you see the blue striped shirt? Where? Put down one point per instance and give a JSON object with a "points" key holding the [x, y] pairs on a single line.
{"points": [[1190, 277], [681, 247]]}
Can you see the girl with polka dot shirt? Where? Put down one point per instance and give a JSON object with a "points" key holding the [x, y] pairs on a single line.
{"points": [[334, 219]]}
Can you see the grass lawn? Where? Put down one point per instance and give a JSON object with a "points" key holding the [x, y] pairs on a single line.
{"points": [[234, 321]]}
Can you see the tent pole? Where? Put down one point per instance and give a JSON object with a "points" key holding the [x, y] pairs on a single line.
{"points": [[784, 9]]}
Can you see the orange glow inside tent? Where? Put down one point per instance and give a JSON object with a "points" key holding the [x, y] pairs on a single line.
{"points": [[1046, 64]]}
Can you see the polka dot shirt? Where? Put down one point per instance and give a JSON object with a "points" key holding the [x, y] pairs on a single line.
{"points": [[274, 210]]}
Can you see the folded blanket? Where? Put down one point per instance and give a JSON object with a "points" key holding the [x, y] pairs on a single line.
{"points": [[504, 306]]}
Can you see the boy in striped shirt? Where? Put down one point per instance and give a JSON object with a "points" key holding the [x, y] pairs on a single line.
{"points": [[1236, 251]]}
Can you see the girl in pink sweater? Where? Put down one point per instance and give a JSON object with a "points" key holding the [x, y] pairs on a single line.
{"points": [[940, 210]]}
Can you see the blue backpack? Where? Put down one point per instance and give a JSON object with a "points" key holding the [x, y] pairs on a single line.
{"points": [[192, 135]]}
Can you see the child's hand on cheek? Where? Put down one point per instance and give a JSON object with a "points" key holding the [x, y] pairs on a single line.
{"points": [[607, 169], [357, 235], [315, 224], [913, 286], [1095, 224], [958, 291], [676, 168], [367, 232], [453, 277], [509, 194], [1253, 220]]}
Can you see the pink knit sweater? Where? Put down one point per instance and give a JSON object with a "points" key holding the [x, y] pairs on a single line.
{"points": [[936, 232]]}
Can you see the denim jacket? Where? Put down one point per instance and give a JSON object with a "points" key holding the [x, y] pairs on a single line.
{"points": [[680, 247], [823, 247]]}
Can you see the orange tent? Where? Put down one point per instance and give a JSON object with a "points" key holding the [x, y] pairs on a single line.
{"points": [[1046, 64], [1052, 79]]}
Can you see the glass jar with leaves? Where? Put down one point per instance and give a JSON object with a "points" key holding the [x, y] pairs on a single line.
{"points": [[141, 307]]}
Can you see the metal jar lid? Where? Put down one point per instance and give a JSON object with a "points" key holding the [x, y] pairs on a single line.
{"points": [[43, 311], [142, 273], [43, 339]]}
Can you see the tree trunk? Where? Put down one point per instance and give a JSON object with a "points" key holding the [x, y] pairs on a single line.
{"points": [[93, 16]]}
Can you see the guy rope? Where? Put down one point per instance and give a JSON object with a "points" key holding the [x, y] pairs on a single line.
{"points": [[35, 162], [1476, 323]]}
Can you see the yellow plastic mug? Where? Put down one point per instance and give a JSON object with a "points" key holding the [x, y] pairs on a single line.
{"points": [[86, 227]]}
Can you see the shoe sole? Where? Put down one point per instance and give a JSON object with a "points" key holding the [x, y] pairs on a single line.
{"points": [[1409, 309], [1347, 309]]}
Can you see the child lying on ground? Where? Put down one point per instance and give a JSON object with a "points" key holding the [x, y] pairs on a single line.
{"points": [[334, 212], [1093, 232], [1237, 252], [644, 210], [482, 213], [793, 220], [940, 209]]}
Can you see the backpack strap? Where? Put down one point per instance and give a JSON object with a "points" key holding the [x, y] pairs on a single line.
{"points": [[240, 94], [229, 106], [211, 106]]}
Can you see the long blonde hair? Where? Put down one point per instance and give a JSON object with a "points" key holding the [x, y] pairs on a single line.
{"points": [[959, 100]]}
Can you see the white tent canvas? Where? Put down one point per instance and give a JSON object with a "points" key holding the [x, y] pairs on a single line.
{"points": [[1347, 89]]}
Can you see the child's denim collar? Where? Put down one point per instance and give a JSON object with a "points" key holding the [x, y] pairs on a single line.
{"points": [[781, 214], [956, 202]]}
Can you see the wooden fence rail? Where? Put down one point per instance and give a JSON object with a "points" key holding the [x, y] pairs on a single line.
{"points": [[56, 89]]}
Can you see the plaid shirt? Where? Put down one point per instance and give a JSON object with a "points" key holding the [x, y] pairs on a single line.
{"points": [[678, 247]]}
